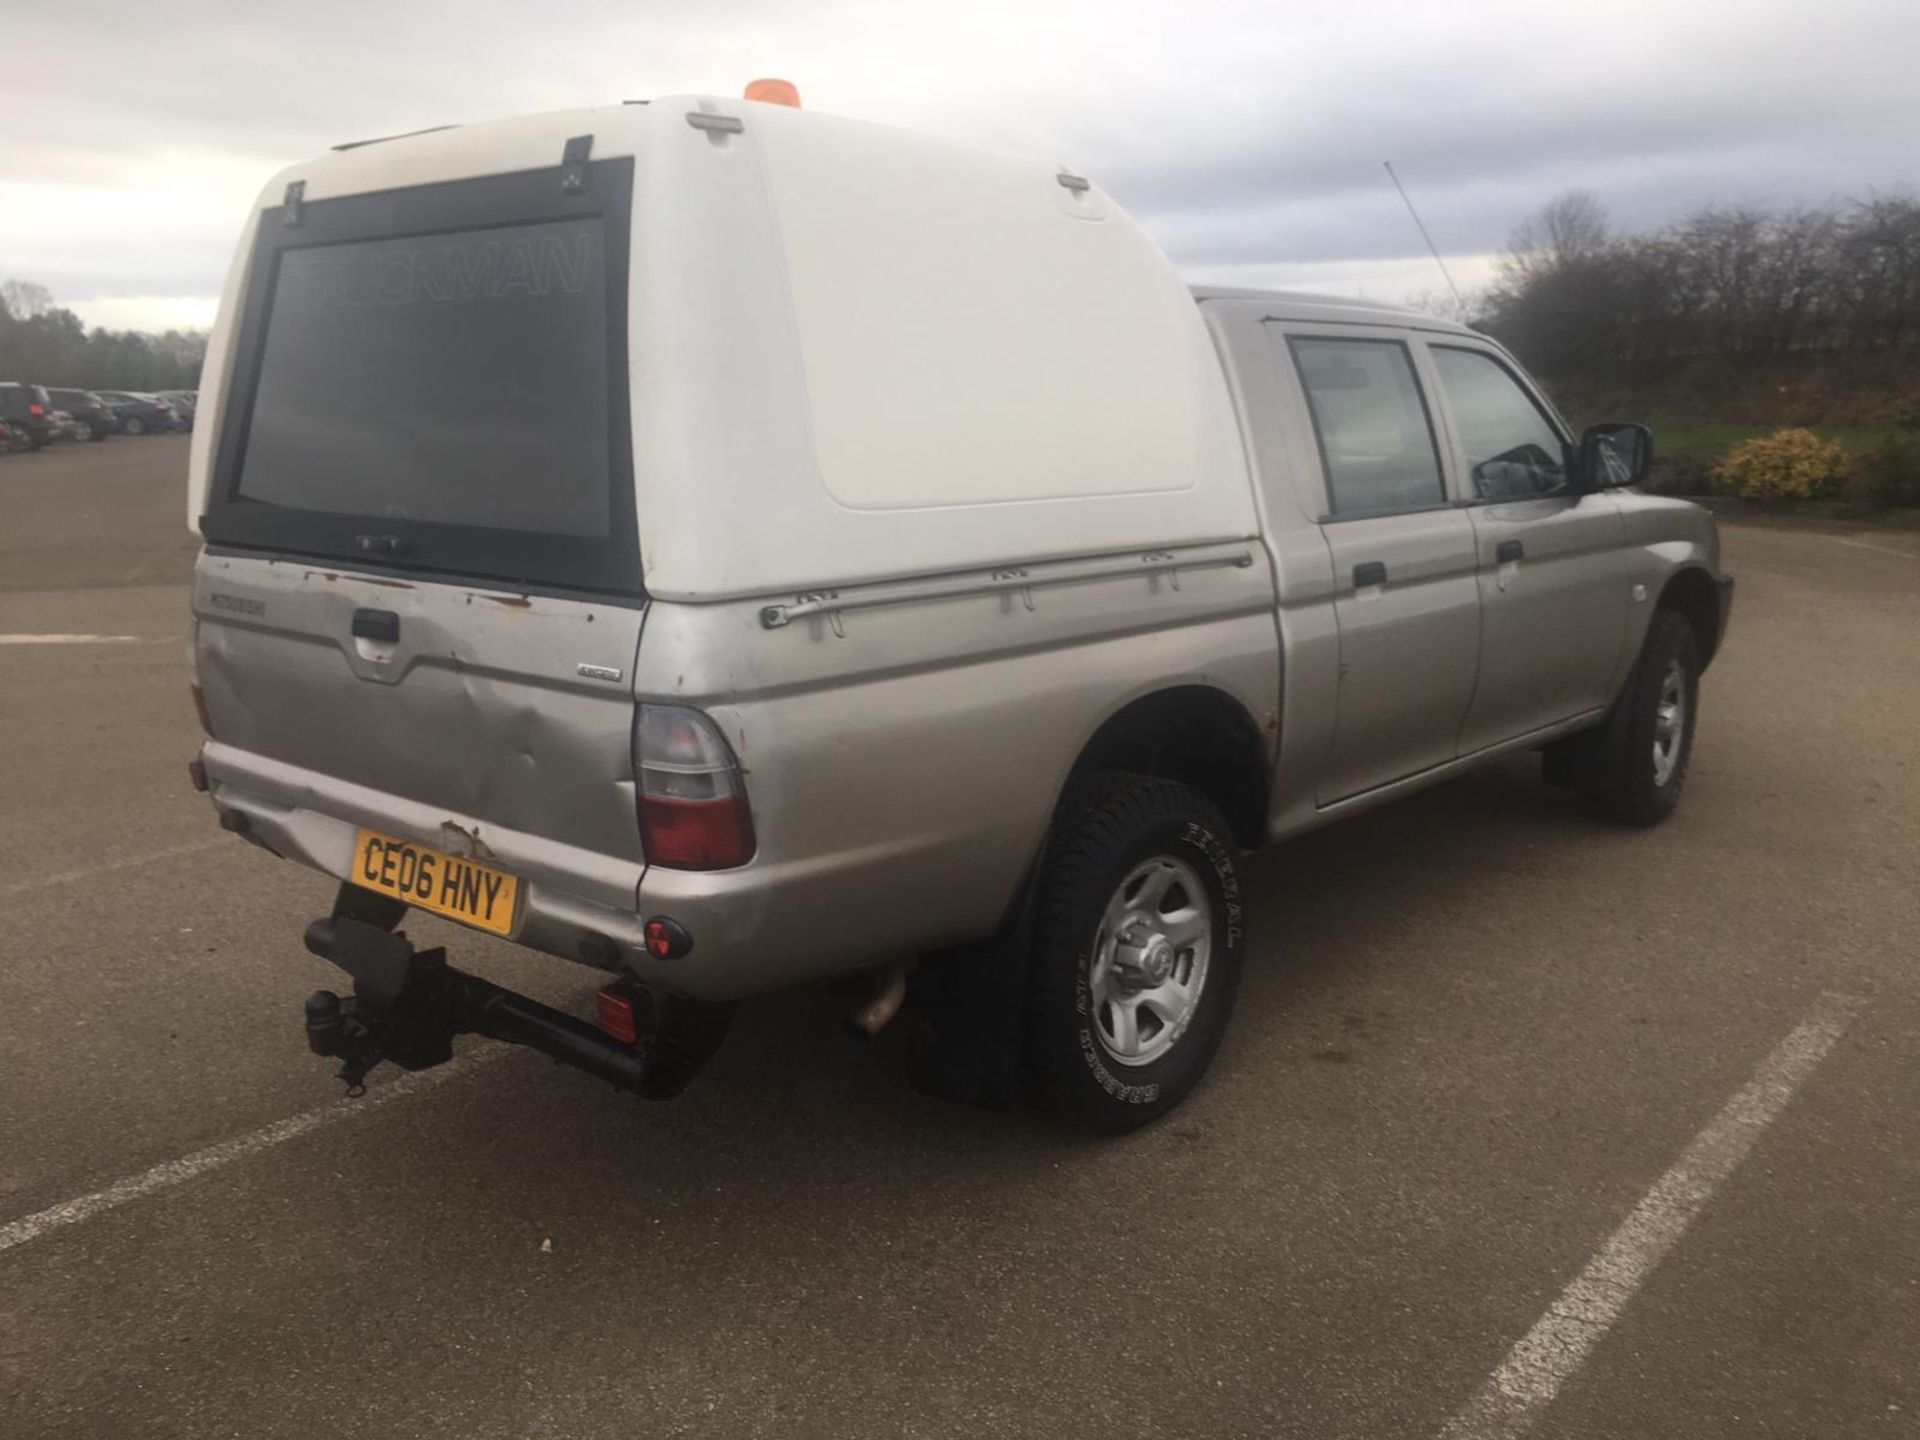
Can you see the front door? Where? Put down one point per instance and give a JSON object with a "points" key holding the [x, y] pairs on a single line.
{"points": [[1552, 564]]}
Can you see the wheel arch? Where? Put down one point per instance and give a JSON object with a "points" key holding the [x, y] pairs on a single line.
{"points": [[1197, 734], [1691, 594]]}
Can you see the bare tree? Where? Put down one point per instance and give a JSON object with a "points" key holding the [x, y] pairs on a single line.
{"points": [[1879, 273], [1569, 228], [24, 299], [1793, 289], [44, 343], [1721, 252], [1722, 281]]}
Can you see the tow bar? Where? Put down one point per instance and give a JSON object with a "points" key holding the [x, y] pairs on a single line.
{"points": [[408, 1004]]}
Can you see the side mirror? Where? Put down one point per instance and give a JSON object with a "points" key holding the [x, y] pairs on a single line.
{"points": [[1614, 455]]}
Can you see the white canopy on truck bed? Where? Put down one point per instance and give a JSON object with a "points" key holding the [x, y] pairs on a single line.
{"points": [[854, 353]]}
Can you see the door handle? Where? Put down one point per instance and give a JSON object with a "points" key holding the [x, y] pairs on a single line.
{"points": [[1508, 550], [382, 625], [1369, 572]]}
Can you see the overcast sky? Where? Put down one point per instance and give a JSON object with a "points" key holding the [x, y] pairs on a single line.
{"points": [[1247, 137]]}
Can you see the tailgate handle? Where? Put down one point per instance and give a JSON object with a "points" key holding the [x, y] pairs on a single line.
{"points": [[1369, 572], [1508, 550], [381, 625]]}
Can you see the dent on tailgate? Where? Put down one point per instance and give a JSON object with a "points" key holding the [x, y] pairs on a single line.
{"points": [[494, 714]]}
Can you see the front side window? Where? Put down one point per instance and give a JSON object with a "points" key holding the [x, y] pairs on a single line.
{"points": [[1512, 450], [1371, 421]]}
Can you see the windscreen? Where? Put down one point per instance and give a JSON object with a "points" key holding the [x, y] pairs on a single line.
{"points": [[458, 378]]}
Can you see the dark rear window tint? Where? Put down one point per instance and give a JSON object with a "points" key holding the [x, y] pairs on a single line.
{"points": [[435, 379], [457, 379]]}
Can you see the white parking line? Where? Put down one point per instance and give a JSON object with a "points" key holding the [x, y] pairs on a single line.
{"points": [[1869, 545], [167, 1174], [1547, 1357], [87, 872], [69, 639]]}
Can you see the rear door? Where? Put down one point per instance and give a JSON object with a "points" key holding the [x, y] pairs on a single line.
{"points": [[1552, 564], [421, 581], [1405, 599]]}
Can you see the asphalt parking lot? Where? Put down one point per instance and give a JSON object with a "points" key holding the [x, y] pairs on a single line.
{"points": [[1498, 1072]]}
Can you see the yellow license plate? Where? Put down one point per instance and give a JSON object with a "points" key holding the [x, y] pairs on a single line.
{"points": [[449, 885]]}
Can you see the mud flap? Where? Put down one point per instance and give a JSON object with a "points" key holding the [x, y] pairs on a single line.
{"points": [[970, 1017]]}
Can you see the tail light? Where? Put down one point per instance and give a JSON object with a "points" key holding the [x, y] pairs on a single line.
{"points": [[693, 801], [36, 409], [200, 708]]}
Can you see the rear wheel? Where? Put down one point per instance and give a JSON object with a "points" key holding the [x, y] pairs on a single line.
{"points": [[1137, 951], [135, 425]]}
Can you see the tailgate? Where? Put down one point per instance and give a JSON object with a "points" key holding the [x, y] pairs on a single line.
{"points": [[499, 709]]}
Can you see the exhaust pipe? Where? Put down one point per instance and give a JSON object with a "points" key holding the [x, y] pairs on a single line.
{"points": [[889, 993]]}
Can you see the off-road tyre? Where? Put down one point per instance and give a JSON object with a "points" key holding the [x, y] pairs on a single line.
{"points": [[1111, 826]]}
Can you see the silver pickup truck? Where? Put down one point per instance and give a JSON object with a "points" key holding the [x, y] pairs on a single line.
{"points": [[732, 547]]}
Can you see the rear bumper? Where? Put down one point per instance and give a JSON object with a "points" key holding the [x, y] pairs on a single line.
{"points": [[760, 928], [769, 925], [575, 904]]}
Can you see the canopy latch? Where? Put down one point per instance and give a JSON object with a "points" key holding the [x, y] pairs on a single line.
{"points": [[573, 165]]}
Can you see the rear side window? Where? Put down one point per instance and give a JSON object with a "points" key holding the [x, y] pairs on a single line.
{"points": [[435, 379], [456, 379], [1376, 442]]}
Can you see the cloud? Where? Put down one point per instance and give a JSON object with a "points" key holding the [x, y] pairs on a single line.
{"points": [[1247, 137]]}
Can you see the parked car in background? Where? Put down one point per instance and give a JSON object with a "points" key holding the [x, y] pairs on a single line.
{"points": [[140, 414], [184, 403], [87, 409], [28, 412]]}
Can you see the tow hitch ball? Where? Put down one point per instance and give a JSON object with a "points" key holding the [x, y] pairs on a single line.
{"points": [[407, 1005]]}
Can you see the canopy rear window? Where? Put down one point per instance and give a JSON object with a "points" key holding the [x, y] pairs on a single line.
{"points": [[435, 379]]}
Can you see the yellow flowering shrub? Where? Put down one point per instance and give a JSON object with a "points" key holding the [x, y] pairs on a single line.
{"points": [[1786, 465]]}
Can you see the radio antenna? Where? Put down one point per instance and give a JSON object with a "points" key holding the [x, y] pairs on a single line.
{"points": [[1434, 249]]}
